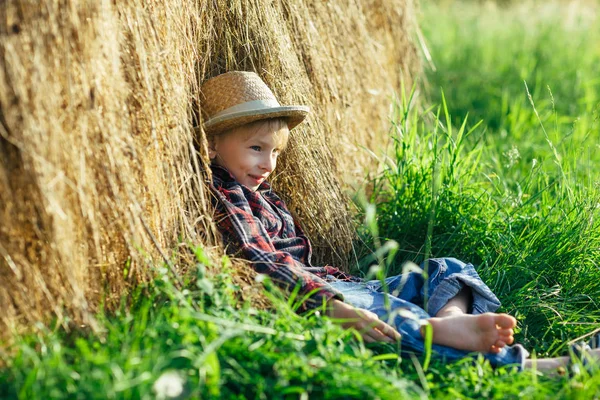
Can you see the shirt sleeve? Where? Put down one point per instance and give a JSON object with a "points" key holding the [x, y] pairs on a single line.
{"points": [[247, 234]]}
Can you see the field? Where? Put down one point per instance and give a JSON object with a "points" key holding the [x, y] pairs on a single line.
{"points": [[495, 163]]}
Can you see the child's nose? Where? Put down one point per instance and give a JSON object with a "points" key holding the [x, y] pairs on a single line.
{"points": [[268, 163]]}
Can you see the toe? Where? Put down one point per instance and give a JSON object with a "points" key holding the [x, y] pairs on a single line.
{"points": [[505, 333], [505, 321], [506, 336]]}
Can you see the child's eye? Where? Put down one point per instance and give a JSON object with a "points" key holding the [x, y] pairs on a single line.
{"points": [[255, 148]]}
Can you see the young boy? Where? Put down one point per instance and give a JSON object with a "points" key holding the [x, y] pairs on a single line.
{"points": [[247, 130]]}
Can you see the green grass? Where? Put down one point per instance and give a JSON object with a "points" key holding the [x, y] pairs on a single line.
{"points": [[504, 173], [513, 188]]}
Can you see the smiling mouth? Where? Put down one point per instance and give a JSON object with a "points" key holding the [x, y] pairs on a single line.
{"points": [[258, 178]]}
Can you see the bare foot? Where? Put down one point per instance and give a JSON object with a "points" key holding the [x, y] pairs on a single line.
{"points": [[487, 333]]}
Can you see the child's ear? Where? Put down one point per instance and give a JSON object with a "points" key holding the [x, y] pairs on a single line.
{"points": [[212, 150], [212, 153]]}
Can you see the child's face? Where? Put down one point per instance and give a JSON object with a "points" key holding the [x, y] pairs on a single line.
{"points": [[250, 152]]}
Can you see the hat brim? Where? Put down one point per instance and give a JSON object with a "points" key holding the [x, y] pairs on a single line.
{"points": [[293, 114]]}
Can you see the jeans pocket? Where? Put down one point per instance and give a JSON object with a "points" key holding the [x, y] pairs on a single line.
{"points": [[437, 269]]}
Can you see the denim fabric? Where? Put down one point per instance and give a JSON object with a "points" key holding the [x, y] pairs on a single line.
{"points": [[408, 300]]}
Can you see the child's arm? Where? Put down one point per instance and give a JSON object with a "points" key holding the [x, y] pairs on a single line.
{"points": [[246, 233]]}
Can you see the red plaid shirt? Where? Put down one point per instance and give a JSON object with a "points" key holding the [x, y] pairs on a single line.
{"points": [[258, 225]]}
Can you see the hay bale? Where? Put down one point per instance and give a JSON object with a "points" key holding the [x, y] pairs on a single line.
{"points": [[98, 169], [96, 150]]}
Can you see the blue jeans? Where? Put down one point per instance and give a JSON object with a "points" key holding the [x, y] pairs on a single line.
{"points": [[408, 292]]}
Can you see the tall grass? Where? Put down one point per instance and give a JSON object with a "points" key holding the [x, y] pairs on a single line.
{"points": [[503, 173], [538, 248], [201, 342]]}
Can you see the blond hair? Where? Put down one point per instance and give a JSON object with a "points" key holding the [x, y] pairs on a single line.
{"points": [[278, 125]]}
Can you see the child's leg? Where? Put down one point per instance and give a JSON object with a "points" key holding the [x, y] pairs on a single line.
{"points": [[458, 305], [455, 337], [453, 286], [549, 364], [450, 282]]}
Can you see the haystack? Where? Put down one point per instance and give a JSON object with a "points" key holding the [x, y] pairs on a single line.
{"points": [[101, 173]]}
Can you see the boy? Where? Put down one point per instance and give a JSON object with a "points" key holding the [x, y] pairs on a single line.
{"points": [[247, 130]]}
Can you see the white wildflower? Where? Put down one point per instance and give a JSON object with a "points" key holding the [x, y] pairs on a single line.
{"points": [[513, 156], [169, 385]]}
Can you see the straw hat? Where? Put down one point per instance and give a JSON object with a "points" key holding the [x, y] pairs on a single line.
{"points": [[236, 98]]}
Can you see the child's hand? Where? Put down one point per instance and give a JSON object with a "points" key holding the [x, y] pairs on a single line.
{"points": [[365, 322]]}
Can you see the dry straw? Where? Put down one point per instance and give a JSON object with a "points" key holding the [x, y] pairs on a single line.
{"points": [[99, 171]]}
